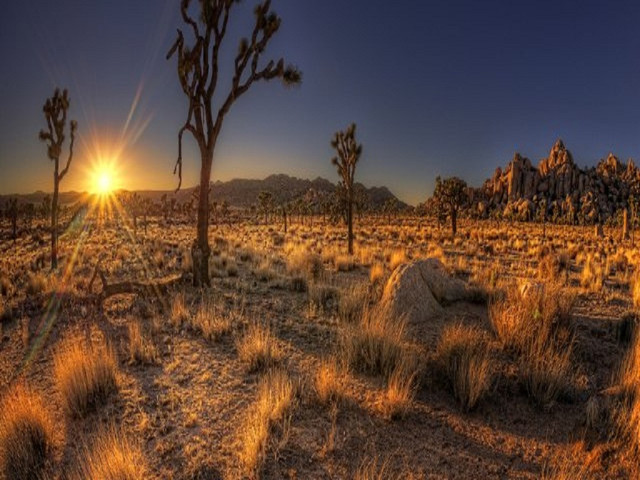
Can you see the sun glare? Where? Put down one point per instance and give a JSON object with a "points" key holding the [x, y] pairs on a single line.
{"points": [[103, 179]]}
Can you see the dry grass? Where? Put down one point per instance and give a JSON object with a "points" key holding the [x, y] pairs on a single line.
{"points": [[536, 325], [400, 390], [85, 374], [376, 273], [142, 350], [635, 291], [179, 312], [594, 273], [465, 358], [353, 301], [376, 344], [258, 348], [26, 436], [266, 419], [112, 457], [330, 382], [210, 322]]}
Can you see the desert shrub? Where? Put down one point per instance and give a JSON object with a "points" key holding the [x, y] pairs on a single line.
{"points": [[179, 311], [210, 322], [329, 382], [298, 284], [352, 303], [464, 357], [258, 348], [302, 261], [266, 418], [85, 374], [141, 346], [375, 345], [26, 436], [345, 263], [535, 323], [112, 457]]}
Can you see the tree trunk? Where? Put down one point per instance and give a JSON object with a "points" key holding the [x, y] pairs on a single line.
{"points": [[54, 219], [284, 216], [350, 224], [201, 250], [454, 221]]}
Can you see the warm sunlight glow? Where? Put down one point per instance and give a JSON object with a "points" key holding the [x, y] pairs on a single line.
{"points": [[103, 179]]}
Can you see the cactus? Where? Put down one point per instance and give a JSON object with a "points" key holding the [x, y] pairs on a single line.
{"points": [[55, 112], [349, 152], [198, 72]]}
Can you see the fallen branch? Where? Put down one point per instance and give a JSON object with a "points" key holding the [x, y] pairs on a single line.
{"points": [[159, 287]]}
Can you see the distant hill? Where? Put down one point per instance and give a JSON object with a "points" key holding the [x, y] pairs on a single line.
{"points": [[241, 192]]}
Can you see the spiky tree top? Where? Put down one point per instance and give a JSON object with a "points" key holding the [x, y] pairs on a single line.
{"points": [[450, 192], [198, 66], [349, 152], [55, 112]]}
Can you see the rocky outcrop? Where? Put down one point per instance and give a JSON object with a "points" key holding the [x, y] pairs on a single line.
{"points": [[557, 189]]}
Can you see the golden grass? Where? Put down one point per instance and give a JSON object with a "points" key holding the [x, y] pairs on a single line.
{"points": [[465, 358], [112, 457], [376, 273], [85, 374], [210, 322], [330, 382], [258, 348], [400, 391], [375, 345], [141, 347], [352, 303], [26, 436], [179, 312], [266, 418], [594, 273]]}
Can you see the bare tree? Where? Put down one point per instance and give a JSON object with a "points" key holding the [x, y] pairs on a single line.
{"points": [[198, 71], [348, 155], [55, 112]]}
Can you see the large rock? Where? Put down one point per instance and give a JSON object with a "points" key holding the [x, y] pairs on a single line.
{"points": [[418, 290]]}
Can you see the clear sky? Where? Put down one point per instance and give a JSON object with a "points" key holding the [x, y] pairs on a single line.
{"points": [[436, 87]]}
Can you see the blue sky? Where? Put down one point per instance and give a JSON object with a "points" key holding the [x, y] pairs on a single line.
{"points": [[436, 87]]}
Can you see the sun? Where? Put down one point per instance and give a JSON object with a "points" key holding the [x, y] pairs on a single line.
{"points": [[103, 179]]}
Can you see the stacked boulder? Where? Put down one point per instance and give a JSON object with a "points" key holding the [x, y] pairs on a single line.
{"points": [[557, 189]]}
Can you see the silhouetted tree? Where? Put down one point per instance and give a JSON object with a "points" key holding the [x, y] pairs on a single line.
{"points": [[198, 72], [55, 112], [449, 195], [265, 199], [13, 214], [349, 152]]}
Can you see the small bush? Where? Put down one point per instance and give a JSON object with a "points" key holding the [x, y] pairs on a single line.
{"points": [[376, 273], [26, 436], [353, 301], [464, 356], [85, 374], [400, 390], [258, 348]]}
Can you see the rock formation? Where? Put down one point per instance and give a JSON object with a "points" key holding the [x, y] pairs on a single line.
{"points": [[557, 189]]}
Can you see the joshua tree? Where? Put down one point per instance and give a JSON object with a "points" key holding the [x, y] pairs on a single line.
{"points": [[265, 199], [390, 207], [55, 112], [198, 72], [348, 155], [449, 195]]}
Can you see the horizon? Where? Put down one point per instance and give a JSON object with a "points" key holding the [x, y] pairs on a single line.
{"points": [[447, 91]]}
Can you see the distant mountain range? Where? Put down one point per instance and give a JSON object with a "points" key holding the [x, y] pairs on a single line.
{"points": [[240, 192]]}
